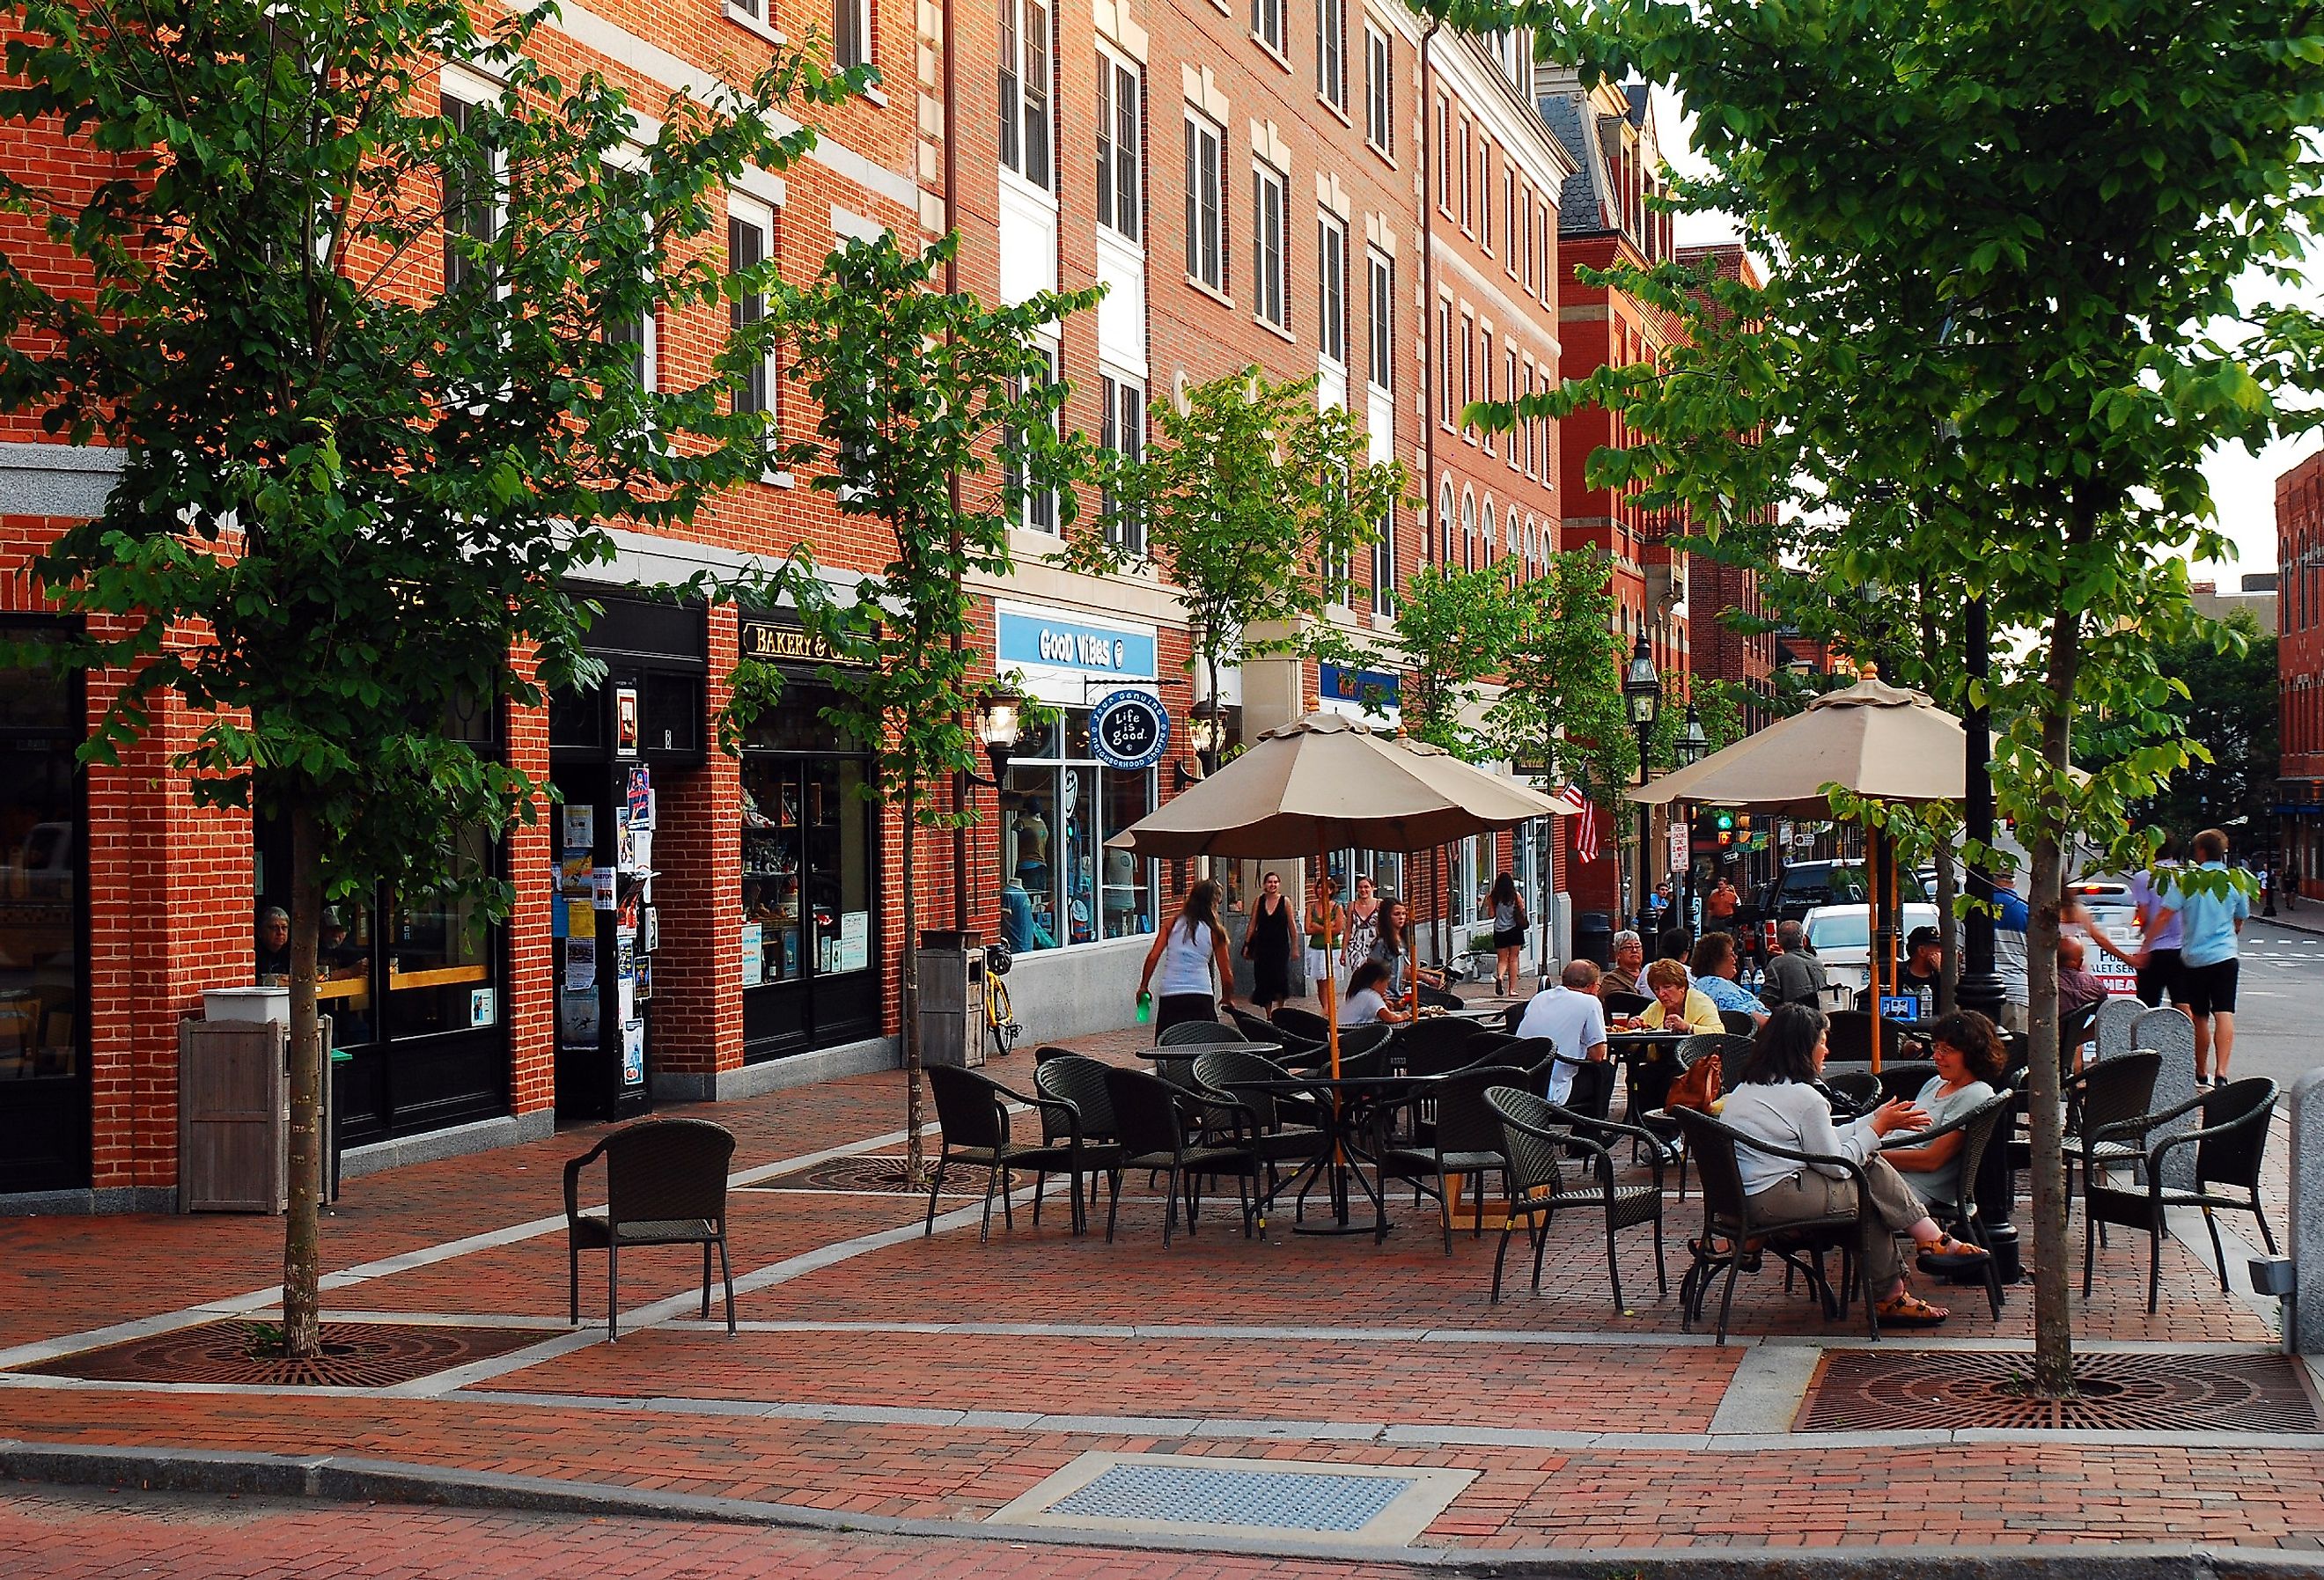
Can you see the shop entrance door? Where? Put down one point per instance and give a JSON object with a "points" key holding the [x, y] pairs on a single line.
{"points": [[44, 1087]]}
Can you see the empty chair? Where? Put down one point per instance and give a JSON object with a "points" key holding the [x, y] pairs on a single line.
{"points": [[1738, 1023], [665, 1184], [2110, 1092], [1196, 1034], [1847, 1036], [1729, 1217], [2229, 1146], [1078, 1080], [1154, 1136], [1254, 1028], [1278, 1128], [1859, 1088], [1354, 1039], [1463, 1138], [1305, 1024], [1433, 1046], [1905, 1077], [1535, 1136], [973, 1109]]}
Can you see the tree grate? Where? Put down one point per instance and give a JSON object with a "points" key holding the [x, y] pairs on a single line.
{"points": [[355, 1354], [884, 1175], [1879, 1391]]}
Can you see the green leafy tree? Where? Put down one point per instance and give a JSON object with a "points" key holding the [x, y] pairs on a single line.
{"points": [[1456, 628], [1253, 502], [351, 499], [2229, 669], [1996, 270], [936, 417]]}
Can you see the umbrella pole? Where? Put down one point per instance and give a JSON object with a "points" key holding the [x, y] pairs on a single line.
{"points": [[1331, 1014], [1877, 934]]}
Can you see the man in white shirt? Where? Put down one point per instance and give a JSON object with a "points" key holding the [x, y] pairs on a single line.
{"points": [[1572, 1018]]}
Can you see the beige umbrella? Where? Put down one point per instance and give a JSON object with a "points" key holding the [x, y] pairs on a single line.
{"points": [[1324, 783], [1875, 739]]}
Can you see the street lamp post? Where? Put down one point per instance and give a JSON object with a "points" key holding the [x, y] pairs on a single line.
{"points": [[1642, 689], [1693, 746]]}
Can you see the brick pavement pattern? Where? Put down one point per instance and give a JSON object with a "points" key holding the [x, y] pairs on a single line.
{"points": [[866, 1347]]}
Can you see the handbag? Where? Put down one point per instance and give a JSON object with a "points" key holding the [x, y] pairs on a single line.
{"points": [[1697, 1086]]}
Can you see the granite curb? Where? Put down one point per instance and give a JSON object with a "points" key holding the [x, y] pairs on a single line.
{"points": [[332, 1478]]}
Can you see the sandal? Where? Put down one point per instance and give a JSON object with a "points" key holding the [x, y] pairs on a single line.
{"points": [[1952, 1252], [1720, 1250], [1909, 1311]]}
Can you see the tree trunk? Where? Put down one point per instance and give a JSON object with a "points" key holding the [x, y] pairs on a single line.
{"points": [[2053, 1325], [915, 1155], [302, 1270]]}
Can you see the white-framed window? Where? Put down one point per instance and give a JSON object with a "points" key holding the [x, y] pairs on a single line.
{"points": [[850, 32], [1527, 222], [1468, 531], [1037, 509], [1523, 430], [1121, 143], [639, 334], [1468, 183], [1270, 245], [1447, 359], [1491, 524], [469, 215], [1379, 91], [1060, 884], [1513, 216], [750, 241], [1485, 193], [1270, 26], [1509, 393], [1443, 158], [1548, 236], [1027, 133], [1468, 374], [1331, 287], [1122, 430], [1485, 380], [1207, 186], [1332, 52], [1380, 272], [1384, 563], [1444, 521]]}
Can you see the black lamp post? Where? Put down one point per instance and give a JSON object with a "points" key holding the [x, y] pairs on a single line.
{"points": [[1642, 689], [999, 714], [1693, 746]]}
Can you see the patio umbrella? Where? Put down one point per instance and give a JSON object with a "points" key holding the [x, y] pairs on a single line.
{"points": [[1324, 783], [1872, 738]]}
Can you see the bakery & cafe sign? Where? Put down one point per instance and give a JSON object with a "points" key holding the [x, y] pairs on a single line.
{"points": [[780, 639]]}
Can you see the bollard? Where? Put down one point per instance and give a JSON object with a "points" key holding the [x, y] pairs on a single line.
{"points": [[2303, 1314], [2172, 1035]]}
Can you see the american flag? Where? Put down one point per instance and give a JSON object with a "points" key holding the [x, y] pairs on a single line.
{"points": [[1585, 826]]}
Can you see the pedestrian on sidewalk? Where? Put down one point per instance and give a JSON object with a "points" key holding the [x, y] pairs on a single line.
{"points": [[1363, 926], [1268, 946], [1186, 950], [2209, 954], [2160, 931], [1507, 908], [2266, 876], [1326, 918], [2010, 921]]}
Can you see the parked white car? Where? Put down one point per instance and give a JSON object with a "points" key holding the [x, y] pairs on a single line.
{"points": [[1841, 938]]}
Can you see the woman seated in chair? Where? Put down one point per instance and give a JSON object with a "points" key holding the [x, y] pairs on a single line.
{"points": [[1367, 1002], [1967, 1048], [1679, 1005], [1775, 1100]]}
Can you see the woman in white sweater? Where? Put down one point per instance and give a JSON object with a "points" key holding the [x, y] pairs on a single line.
{"points": [[1775, 1100]]}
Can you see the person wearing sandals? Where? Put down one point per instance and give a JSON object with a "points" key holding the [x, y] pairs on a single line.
{"points": [[1327, 918], [1967, 1048], [1773, 1098]]}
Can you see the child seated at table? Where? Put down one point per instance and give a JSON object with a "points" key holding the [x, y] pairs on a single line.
{"points": [[1366, 1002]]}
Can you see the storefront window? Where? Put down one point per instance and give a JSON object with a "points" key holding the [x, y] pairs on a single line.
{"points": [[40, 819], [1060, 885], [440, 972], [1385, 868]]}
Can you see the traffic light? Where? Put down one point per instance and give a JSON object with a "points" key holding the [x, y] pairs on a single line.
{"points": [[1724, 822], [1743, 831]]}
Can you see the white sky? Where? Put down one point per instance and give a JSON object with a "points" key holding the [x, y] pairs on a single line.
{"points": [[2242, 486]]}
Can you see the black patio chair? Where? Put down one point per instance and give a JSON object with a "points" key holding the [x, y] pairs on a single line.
{"points": [[1154, 1135], [1433, 1046], [665, 1184], [2112, 1092], [973, 1109], [1355, 1039], [1626, 1004], [1255, 1028], [1078, 1080], [1738, 1023], [1534, 1136], [2229, 1146], [1800, 1243], [1858, 1089], [1977, 1128], [1904, 1078], [1463, 1137], [1305, 1024], [1278, 1128], [1847, 1035], [1188, 1032]]}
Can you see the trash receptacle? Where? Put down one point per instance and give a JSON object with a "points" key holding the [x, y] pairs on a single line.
{"points": [[233, 1116], [1593, 938], [952, 999]]}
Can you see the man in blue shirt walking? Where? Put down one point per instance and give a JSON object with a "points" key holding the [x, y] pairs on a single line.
{"points": [[2207, 961]]}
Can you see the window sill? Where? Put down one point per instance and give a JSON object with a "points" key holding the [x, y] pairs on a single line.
{"points": [[752, 25], [1339, 110], [777, 479], [1277, 330], [1382, 154], [1267, 47], [873, 92], [1213, 291]]}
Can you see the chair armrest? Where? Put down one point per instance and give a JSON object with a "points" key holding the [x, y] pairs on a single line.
{"points": [[2144, 1122], [1921, 1138], [573, 1167], [2188, 1137]]}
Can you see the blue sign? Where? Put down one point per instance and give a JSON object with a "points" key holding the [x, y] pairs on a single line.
{"points": [[1900, 1006], [1066, 644], [1369, 689], [1129, 730]]}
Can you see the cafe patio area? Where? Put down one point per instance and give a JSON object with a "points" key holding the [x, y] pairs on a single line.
{"points": [[1282, 1393]]}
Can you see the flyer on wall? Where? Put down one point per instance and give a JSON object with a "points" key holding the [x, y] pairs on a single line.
{"points": [[633, 1053], [579, 826]]}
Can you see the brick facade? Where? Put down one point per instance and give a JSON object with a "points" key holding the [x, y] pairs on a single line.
{"points": [[2299, 670]]}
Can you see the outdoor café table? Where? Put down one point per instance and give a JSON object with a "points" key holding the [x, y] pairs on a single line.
{"points": [[1353, 1104]]}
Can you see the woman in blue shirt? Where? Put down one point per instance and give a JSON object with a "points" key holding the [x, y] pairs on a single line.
{"points": [[2209, 924]]}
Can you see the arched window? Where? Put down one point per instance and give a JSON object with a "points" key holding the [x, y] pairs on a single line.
{"points": [[1491, 522], [1444, 521], [1468, 531]]}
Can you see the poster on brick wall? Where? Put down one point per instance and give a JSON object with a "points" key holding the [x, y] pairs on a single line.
{"points": [[633, 1053]]}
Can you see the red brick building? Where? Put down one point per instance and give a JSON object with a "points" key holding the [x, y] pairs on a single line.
{"points": [[1330, 193], [2300, 671]]}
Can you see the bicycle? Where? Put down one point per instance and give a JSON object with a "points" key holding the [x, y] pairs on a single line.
{"points": [[1000, 1015]]}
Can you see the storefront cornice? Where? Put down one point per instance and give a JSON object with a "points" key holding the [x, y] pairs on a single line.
{"points": [[1122, 597]]}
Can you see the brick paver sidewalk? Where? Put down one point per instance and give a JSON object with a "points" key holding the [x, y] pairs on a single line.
{"points": [[930, 1382]]}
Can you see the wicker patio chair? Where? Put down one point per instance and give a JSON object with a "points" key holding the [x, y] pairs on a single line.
{"points": [[665, 1184]]}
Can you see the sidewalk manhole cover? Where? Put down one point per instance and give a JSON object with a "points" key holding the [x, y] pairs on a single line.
{"points": [[1873, 1390], [1165, 1494], [355, 1354], [884, 1175]]}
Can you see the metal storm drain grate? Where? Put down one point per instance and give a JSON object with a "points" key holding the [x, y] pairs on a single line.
{"points": [[355, 1354], [880, 1174], [1166, 1493], [1861, 1391]]}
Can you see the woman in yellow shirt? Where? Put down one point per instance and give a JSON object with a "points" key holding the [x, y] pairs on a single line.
{"points": [[1679, 1005]]}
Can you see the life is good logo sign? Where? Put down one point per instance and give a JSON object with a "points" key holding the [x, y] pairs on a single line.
{"points": [[1129, 730]]}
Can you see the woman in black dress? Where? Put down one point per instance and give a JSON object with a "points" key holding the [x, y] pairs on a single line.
{"points": [[1268, 946]]}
